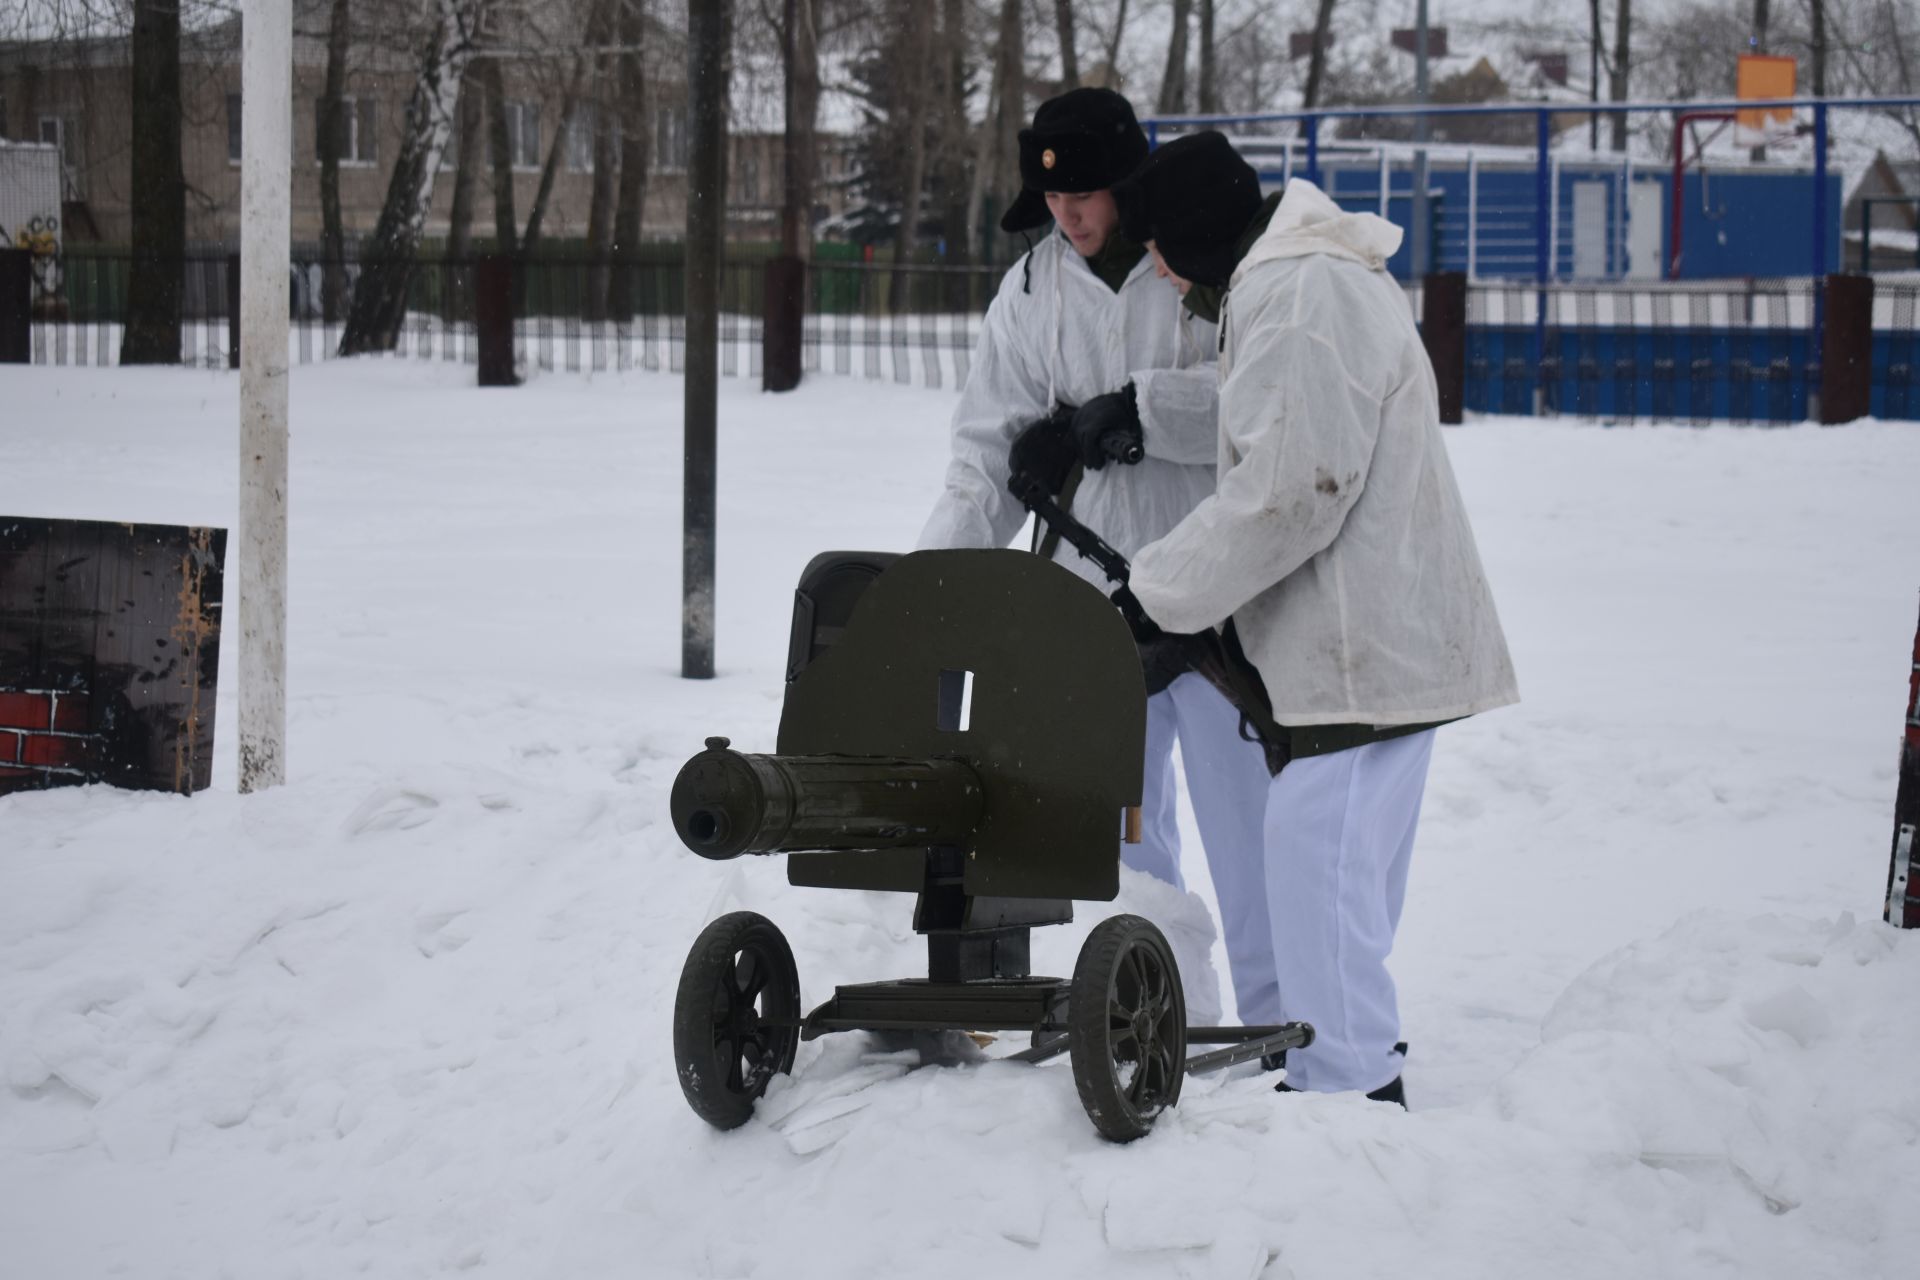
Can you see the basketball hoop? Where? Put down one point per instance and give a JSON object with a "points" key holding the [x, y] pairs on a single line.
{"points": [[1764, 77], [1684, 125]]}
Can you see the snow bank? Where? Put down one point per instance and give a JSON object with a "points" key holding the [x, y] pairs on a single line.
{"points": [[409, 1014]]}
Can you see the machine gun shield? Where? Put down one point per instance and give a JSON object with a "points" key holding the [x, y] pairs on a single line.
{"points": [[1011, 664]]}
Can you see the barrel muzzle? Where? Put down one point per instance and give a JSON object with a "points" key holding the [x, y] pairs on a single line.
{"points": [[726, 803]]}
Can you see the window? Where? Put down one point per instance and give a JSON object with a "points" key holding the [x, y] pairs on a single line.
{"points": [[580, 132], [233, 128], [523, 134], [749, 174], [64, 133], [670, 137], [356, 129]]}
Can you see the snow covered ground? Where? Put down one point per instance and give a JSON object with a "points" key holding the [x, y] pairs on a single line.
{"points": [[410, 1013]]}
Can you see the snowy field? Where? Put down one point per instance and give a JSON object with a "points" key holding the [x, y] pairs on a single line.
{"points": [[410, 1013]]}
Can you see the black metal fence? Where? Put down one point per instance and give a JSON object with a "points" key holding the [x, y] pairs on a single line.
{"points": [[1737, 350], [914, 325]]}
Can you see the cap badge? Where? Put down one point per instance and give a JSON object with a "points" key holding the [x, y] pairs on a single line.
{"points": [[1048, 159]]}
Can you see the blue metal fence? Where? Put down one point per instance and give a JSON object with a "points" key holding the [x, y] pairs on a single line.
{"points": [[1543, 218]]}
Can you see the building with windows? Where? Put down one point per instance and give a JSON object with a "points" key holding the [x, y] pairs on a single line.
{"points": [[77, 96]]}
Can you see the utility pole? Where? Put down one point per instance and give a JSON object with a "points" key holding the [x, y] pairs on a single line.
{"points": [[266, 95], [708, 34]]}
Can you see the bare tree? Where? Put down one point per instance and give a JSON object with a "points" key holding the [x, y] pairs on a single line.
{"points": [[1113, 40], [997, 149], [506, 227], [606, 176], [1069, 56], [1317, 59], [466, 162], [1209, 88], [630, 200], [569, 108], [379, 300], [1173, 81], [1818, 18], [1622, 66], [916, 56], [800, 56], [152, 334], [1593, 72], [332, 129]]}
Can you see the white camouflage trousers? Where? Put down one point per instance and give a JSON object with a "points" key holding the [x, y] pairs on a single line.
{"points": [[1227, 782]]}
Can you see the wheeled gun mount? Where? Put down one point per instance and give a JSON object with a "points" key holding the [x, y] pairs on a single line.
{"points": [[969, 727], [726, 803]]}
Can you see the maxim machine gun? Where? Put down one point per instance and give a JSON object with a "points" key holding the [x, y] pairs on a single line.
{"points": [[967, 726]]}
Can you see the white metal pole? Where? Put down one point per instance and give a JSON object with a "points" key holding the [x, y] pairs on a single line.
{"points": [[266, 120], [1621, 214], [1473, 213], [1553, 220]]}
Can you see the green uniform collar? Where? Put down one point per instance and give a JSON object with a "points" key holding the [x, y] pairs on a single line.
{"points": [[1204, 299], [1116, 260]]}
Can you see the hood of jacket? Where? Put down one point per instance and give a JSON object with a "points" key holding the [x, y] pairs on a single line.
{"points": [[1309, 222]]}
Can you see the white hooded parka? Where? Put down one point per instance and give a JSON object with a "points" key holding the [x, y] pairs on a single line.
{"points": [[1057, 334], [1337, 540]]}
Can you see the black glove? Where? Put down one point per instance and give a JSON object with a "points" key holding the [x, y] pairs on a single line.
{"points": [[1043, 452], [1108, 428]]}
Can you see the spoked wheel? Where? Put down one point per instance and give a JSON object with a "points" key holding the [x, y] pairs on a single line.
{"points": [[736, 1018], [1128, 1018]]}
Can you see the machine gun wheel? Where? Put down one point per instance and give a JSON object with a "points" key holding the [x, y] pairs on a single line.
{"points": [[736, 1017], [1127, 1017]]}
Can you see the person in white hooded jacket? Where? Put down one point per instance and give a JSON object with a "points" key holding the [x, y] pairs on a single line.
{"points": [[1337, 548], [1081, 321]]}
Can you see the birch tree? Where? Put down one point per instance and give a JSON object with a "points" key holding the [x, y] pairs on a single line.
{"points": [[380, 300]]}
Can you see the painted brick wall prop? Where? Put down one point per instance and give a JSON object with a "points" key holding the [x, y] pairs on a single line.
{"points": [[109, 648], [1903, 893]]}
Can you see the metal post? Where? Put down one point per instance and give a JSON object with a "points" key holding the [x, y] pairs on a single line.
{"points": [[1621, 211], [266, 87], [1674, 201], [1153, 135], [1818, 337], [1386, 179], [1543, 144], [1422, 249], [493, 280], [1312, 125], [1473, 213], [707, 39], [16, 306], [1553, 219], [233, 306]]}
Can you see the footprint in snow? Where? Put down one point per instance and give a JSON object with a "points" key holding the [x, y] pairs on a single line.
{"points": [[390, 809]]}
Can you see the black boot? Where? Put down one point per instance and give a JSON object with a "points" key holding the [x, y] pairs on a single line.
{"points": [[1394, 1090]]}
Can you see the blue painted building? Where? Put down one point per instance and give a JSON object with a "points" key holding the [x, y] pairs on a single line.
{"points": [[1608, 221]]}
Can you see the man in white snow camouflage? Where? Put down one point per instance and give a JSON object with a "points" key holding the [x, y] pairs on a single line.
{"points": [[1081, 320], [1337, 547]]}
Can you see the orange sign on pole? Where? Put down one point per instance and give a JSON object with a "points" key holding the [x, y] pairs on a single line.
{"points": [[1763, 76]]}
